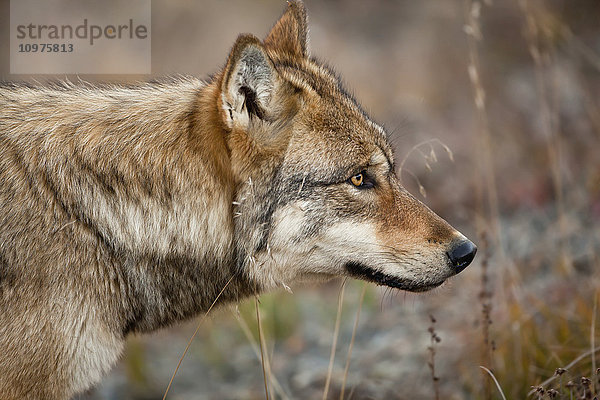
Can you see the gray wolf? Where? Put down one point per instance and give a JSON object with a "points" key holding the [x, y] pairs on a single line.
{"points": [[127, 208]]}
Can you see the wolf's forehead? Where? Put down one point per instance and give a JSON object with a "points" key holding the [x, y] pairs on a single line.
{"points": [[346, 126], [337, 152], [332, 114], [381, 140], [310, 75], [318, 80]]}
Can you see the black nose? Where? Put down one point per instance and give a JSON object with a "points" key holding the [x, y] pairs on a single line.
{"points": [[461, 255]]}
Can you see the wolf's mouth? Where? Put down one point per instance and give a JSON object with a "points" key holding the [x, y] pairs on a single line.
{"points": [[361, 271]]}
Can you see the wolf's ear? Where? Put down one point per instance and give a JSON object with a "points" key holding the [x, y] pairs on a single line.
{"points": [[248, 82], [290, 33]]}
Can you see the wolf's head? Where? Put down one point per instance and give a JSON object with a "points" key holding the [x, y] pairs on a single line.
{"points": [[317, 194]]}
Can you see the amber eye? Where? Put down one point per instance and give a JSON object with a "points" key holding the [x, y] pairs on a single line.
{"points": [[357, 180], [362, 180]]}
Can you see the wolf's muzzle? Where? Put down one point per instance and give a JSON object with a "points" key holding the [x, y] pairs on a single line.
{"points": [[461, 254]]}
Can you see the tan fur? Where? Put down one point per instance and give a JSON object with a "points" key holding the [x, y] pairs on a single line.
{"points": [[128, 208]]}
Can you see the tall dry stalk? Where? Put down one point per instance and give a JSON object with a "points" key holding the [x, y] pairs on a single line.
{"points": [[435, 339], [484, 142], [495, 382], [485, 160], [262, 348], [256, 348], [593, 343], [485, 297], [336, 332], [542, 54], [354, 329], [187, 347]]}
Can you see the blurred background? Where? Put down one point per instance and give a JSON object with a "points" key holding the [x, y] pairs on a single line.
{"points": [[493, 110]]}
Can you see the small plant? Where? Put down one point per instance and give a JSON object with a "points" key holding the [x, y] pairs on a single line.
{"points": [[485, 297], [539, 391], [434, 340]]}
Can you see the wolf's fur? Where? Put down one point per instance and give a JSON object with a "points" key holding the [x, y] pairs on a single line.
{"points": [[127, 208]]}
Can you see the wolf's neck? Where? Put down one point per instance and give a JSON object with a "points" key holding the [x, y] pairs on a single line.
{"points": [[149, 173], [186, 246]]}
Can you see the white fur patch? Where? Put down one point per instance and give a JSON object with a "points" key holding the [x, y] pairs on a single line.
{"points": [[96, 351], [148, 226]]}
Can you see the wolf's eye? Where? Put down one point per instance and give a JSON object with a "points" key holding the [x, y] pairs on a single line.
{"points": [[361, 180], [357, 180]]}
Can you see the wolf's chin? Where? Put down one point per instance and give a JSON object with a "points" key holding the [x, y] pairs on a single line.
{"points": [[366, 273]]}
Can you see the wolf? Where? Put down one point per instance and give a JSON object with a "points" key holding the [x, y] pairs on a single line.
{"points": [[124, 209]]}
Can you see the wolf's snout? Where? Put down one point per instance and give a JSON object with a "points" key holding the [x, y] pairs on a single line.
{"points": [[461, 254]]}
